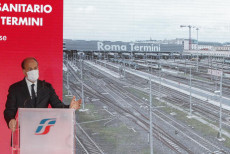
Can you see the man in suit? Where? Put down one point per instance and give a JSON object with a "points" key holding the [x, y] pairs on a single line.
{"points": [[32, 93]]}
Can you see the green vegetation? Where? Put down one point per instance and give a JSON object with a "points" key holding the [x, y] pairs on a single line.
{"points": [[137, 93], [197, 125], [227, 141], [114, 135], [117, 137], [142, 95], [89, 115]]}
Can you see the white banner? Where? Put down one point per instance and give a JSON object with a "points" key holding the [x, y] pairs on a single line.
{"points": [[215, 72]]}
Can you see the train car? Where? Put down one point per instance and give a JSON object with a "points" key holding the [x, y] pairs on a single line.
{"points": [[155, 66], [227, 61], [195, 59], [172, 72]]}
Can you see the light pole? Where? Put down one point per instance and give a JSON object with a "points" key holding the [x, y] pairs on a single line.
{"points": [[219, 136], [124, 69], [82, 88], [75, 57], [197, 51], [67, 76], [211, 68], [190, 97], [197, 29], [160, 82], [150, 114], [220, 124]]}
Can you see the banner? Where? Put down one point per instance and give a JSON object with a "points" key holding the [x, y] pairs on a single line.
{"points": [[29, 29]]}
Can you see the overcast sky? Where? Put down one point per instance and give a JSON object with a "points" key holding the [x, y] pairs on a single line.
{"points": [[130, 20]]}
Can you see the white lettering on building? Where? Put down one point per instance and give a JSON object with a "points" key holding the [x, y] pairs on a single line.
{"points": [[145, 48], [102, 47]]}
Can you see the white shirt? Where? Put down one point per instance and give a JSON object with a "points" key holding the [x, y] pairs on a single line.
{"points": [[29, 86]]}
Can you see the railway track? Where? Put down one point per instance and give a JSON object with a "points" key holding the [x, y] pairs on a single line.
{"points": [[154, 127], [203, 108], [177, 148], [165, 138], [201, 74], [202, 142], [86, 142]]}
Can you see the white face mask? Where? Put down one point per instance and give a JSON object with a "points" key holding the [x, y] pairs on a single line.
{"points": [[33, 75]]}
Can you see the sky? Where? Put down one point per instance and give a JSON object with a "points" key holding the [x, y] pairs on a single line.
{"points": [[131, 20]]}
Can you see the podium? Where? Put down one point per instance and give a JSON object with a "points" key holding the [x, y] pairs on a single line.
{"points": [[44, 131]]}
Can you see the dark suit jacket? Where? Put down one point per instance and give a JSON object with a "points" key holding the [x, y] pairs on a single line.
{"points": [[19, 97]]}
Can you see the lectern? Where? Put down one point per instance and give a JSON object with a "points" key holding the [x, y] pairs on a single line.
{"points": [[44, 131]]}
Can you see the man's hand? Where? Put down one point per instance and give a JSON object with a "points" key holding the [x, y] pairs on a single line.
{"points": [[75, 104], [12, 125]]}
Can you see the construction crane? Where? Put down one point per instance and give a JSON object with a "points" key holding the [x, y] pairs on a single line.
{"points": [[190, 39], [197, 38]]}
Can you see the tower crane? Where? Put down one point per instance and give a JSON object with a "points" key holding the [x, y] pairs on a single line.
{"points": [[190, 39]]}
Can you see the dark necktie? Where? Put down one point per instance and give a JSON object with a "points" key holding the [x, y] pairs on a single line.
{"points": [[33, 100]]}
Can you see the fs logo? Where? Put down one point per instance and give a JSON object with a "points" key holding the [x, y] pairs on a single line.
{"points": [[44, 126]]}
